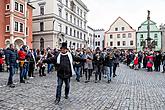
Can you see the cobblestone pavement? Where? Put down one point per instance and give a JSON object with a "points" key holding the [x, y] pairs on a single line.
{"points": [[130, 90]]}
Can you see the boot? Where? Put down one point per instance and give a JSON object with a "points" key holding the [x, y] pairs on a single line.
{"points": [[57, 101]]}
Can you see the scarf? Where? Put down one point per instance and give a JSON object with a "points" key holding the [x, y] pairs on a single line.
{"points": [[70, 59]]}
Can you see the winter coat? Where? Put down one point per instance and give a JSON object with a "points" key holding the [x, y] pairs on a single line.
{"points": [[22, 55], [150, 61], [64, 68], [136, 61], [11, 57]]}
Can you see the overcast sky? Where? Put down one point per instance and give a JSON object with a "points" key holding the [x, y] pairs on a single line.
{"points": [[104, 12]]}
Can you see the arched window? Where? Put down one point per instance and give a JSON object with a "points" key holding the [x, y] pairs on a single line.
{"points": [[41, 43]]}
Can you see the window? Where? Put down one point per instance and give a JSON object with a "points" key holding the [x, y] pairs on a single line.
{"points": [[111, 36], [95, 43], [111, 43], [78, 10], [60, 12], [84, 25], [78, 22], [16, 26], [116, 29], [124, 35], [7, 28], [156, 43], [78, 34], [21, 8], [122, 28], [84, 36], [156, 36], [66, 30], [81, 13], [141, 36], [41, 26], [131, 42], [124, 43], [84, 15], [74, 33], [71, 18], [118, 35], [129, 35], [74, 20], [59, 27], [81, 24], [7, 7], [70, 31], [98, 36], [16, 6], [67, 3], [98, 43], [66, 16], [42, 10], [118, 43], [41, 44], [26, 30], [21, 27]]}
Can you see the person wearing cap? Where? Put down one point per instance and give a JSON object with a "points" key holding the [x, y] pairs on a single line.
{"points": [[63, 61]]}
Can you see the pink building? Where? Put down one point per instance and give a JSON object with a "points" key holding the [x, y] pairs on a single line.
{"points": [[120, 35], [16, 23]]}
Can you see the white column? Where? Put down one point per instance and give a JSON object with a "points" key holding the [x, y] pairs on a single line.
{"points": [[25, 25], [12, 21]]}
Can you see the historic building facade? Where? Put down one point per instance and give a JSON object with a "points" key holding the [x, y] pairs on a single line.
{"points": [[16, 23], [57, 21], [162, 28], [120, 35], [154, 33], [90, 38], [99, 38]]}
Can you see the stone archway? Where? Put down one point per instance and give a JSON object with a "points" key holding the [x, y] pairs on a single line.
{"points": [[18, 43]]}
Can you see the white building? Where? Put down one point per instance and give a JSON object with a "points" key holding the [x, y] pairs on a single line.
{"points": [[120, 35], [90, 38], [99, 38], [57, 21]]}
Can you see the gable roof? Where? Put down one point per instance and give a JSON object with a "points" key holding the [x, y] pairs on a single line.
{"points": [[146, 22], [122, 20]]}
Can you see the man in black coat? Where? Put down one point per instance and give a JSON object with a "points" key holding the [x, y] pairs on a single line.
{"points": [[65, 70]]}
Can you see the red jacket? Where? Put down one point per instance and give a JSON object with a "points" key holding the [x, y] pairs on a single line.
{"points": [[21, 55], [1, 61], [136, 61]]}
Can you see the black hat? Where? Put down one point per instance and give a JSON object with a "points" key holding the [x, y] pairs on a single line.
{"points": [[64, 45]]}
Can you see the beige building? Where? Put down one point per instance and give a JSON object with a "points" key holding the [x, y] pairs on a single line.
{"points": [[57, 21], [120, 35], [162, 28]]}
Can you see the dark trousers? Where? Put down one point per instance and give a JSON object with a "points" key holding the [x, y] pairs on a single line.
{"points": [[149, 69], [88, 73], [114, 68], [1, 68], [11, 74], [59, 86], [98, 72], [163, 67], [31, 70], [41, 71]]}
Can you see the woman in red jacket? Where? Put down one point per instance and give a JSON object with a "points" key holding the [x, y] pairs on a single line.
{"points": [[136, 62], [150, 62]]}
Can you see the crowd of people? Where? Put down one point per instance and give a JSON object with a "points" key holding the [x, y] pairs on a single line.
{"points": [[79, 62]]}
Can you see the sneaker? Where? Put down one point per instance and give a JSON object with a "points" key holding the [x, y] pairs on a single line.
{"points": [[108, 81], [31, 77], [96, 81], [86, 81]]}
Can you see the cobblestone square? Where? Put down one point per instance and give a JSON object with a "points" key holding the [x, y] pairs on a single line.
{"points": [[130, 90]]}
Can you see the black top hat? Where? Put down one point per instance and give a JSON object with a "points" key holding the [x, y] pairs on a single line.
{"points": [[64, 45]]}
